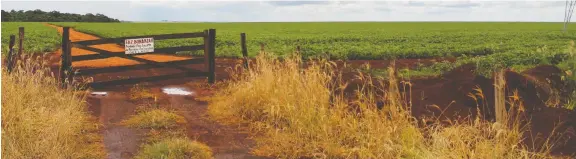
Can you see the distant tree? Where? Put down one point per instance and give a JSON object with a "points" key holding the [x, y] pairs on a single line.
{"points": [[6, 16], [52, 16]]}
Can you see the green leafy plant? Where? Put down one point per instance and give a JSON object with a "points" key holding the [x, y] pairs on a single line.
{"points": [[359, 40]]}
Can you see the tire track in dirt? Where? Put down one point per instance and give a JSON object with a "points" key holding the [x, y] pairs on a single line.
{"points": [[122, 142], [226, 142]]}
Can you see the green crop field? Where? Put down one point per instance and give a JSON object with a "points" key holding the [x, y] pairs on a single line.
{"points": [[519, 45], [38, 38], [358, 40]]}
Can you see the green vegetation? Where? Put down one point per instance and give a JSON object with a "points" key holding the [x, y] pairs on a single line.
{"points": [[53, 16], [358, 40], [570, 66], [40, 120], [175, 148], [38, 38]]}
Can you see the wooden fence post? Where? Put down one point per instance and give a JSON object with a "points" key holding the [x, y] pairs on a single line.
{"points": [[244, 49], [261, 47], [206, 50], [66, 67], [298, 49], [212, 56], [500, 97], [10, 61], [20, 41]]}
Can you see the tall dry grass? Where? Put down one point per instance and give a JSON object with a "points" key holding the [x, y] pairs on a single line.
{"points": [[39, 120], [570, 65], [290, 113]]}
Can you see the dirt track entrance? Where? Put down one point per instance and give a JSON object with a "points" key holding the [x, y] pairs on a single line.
{"points": [[111, 104]]}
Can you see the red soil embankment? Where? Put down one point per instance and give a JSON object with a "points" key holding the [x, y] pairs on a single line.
{"points": [[540, 90]]}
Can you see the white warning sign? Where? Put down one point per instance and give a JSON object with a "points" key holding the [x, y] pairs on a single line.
{"points": [[137, 46]]}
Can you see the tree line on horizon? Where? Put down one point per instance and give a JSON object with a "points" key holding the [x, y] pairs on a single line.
{"points": [[52, 16]]}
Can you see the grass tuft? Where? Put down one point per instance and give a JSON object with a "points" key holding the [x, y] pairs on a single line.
{"points": [[154, 119], [176, 148], [138, 92], [570, 66]]}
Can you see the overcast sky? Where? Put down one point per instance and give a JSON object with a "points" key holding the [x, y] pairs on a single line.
{"points": [[251, 11]]}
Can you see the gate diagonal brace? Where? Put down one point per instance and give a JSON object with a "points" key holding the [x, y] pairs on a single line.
{"points": [[110, 54]]}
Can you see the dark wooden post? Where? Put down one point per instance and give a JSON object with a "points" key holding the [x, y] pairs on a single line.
{"points": [[11, 58], [20, 41], [70, 70], [244, 49], [212, 55], [261, 47], [302, 62], [65, 68], [207, 52], [298, 49]]}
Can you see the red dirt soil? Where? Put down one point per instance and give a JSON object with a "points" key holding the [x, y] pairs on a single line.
{"points": [[449, 92], [446, 97]]}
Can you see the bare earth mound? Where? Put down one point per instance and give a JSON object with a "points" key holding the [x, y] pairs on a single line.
{"points": [[450, 97]]}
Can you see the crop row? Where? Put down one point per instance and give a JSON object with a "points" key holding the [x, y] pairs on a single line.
{"points": [[366, 40], [38, 38]]}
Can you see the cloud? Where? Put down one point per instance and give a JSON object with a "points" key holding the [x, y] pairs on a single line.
{"points": [[250, 11], [443, 4], [297, 3], [462, 5], [537, 4], [419, 4]]}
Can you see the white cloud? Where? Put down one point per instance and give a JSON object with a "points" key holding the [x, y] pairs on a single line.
{"points": [[183, 10]]}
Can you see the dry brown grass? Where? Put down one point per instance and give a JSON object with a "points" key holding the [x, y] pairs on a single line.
{"points": [[290, 113], [39, 120], [154, 119], [138, 92]]}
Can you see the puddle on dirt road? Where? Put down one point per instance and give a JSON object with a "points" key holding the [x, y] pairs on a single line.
{"points": [[99, 93], [177, 91]]}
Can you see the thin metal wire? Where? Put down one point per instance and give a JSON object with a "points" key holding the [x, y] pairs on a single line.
{"points": [[571, 12], [568, 12]]}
